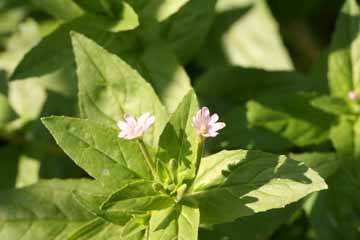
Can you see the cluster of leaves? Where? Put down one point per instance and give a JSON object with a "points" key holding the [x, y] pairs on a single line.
{"points": [[90, 61]]}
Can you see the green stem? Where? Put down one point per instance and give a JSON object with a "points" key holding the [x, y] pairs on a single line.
{"points": [[198, 161], [147, 158], [199, 154]]}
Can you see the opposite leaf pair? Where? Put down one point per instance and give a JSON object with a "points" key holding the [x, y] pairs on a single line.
{"points": [[159, 186]]}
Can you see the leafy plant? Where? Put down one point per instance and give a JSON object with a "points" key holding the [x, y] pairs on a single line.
{"points": [[184, 189]]}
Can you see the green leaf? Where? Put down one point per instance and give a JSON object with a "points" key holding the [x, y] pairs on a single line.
{"points": [[42, 211], [345, 138], [96, 229], [156, 10], [240, 134], [246, 34], [326, 164], [221, 83], [258, 226], [26, 34], [334, 214], [179, 222], [302, 125], [109, 88], [186, 30], [179, 142], [344, 74], [98, 150], [136, 196], [233, 184], [61, 9], [27, 97], [58, 72], [135, 229], [333, 105]]}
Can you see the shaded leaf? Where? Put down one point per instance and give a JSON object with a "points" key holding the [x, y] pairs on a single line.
{"points": [[109, 88], [234, 184], [179, 141]]}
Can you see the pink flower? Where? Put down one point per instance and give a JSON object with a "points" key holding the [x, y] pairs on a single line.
{"points": [[352, 95], [132, 128], [206, 125]]}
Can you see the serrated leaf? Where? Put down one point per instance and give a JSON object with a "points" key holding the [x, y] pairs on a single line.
{"points": [[344, 74], [98, 150], [303, 125], [245, 34], [179, 142], [179, 222], [42, 211], [233, 184], [109, 88]]}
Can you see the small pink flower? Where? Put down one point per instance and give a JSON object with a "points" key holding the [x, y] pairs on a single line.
{"points": [[132, 128], [352, 95], [206, 125]]}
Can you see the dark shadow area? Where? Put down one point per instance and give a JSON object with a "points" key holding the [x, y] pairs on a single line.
{"points": [[239, 134]]}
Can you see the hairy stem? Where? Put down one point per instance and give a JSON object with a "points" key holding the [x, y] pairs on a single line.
{"points": [[147, 157]]}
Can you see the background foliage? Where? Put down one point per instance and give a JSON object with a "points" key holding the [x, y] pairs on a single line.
{"points": [[278, 73]]}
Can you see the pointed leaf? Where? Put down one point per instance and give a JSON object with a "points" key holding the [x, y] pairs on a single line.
{"points": [[109, 88], [98, 150], [233, 184], [303, 125], [180, 222], [179, 141]]}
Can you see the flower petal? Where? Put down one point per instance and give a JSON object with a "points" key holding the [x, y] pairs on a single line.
{"points": [[122, 125], [205, 113], [150, 121], [217, 126], [130, 120], [214, 118]]}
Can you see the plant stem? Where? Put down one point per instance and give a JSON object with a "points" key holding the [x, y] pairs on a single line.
{"points": [[198, 161], [199, 154], [147, 158]]}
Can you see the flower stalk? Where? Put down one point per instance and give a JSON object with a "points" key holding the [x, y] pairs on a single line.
{"points": [[150, 163]]}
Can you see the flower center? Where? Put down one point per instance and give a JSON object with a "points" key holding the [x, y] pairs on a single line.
{"points": [[203, 129]]}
